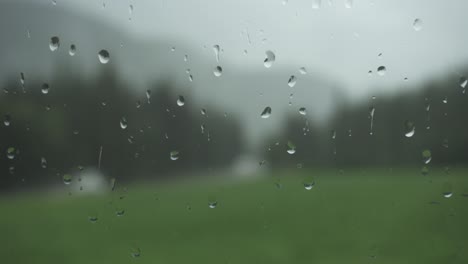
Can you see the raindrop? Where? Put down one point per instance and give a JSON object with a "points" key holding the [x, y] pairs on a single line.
{"points": [[445, 100], [43, 163], [212, 204], [120, 212], [54, 43], [333, 134], [266, 112], [463, 82], [417, 24], [291, 148], [303, 70], [309, 185], [185, 58], [22, 79], [410, 129], [202, 128], [270, 58], [218, 71], [316, 4], [130, 9], [45, 88], [216, 52], [148, 95], [292, 81], [174, 155], [447, 194], [371, 116], [93, 219], [381, 70], [181, 101], [427, 156], [11, 152], [445, 143], [136, 253], [7, 120], [303, 111], [72, 50], [104, 56], [67, 179], [123, 123], [348, 3], [350, 133], [203, 111]]}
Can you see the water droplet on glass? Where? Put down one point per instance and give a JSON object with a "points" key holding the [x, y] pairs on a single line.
{"points": [[67, 179], [136, 253], [120, 212], [181, 101], [72, 50], [348, 3], [292, 81], [371, 116], [45, 88], [463, 82], [333, 134], [410, 129], [291, 148], [303, 70], [303, 111], [425, 171], [445, 143], [174, 155], [54, 43], [445, 100], [381, 70], [104, 56], [93, 219], [218, 71], [270, 58], [11, 152], [427, 156], [316, 4], [43, 163], [216, 52], [130, 9], [309, 185], [417, 24], [203, 111], [7, 120], [447, 194], [148, 95], [212, 204], [266, 112], [123, 123]]}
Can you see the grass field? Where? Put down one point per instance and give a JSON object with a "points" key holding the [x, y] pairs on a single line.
{"points": [[358, 216]]}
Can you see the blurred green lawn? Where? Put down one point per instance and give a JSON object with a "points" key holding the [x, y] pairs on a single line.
{"points": [[358, 216]]}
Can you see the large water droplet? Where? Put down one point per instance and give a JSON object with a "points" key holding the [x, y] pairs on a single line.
{"points": [[11, 152], [174, 155], [410, 129], [72, 50], [67, 179], [104, 56], [45, 88], [427, 156], [292, 81], [123, 123], [218, 71], [417, 24], [316, 4], [181, 101], [270, 58], [381, 70], [216, 52], [266, 112], [54, 43], [303, 111], [291, 148]]}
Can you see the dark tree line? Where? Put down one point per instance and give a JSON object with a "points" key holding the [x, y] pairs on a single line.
{"points": [[78, 116]]}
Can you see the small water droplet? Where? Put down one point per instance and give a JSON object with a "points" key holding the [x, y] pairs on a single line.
{"points": [[67, 178], [425, 171], [371, 116], [292, 81], [174, 155], [445, 143], [72, 50], [463, 82], [333, 134], [7, 120], [43, 163], [203, 111], [417, 24], [120, 212], [11, 152], [181, 101], [130, 9], [309, 185], [123, 123], [270, 59], [45, 88], [316, 4], [291, 148], [266, 112], [136, 253], [381, 70], [303, 70], [93, 219], [427, 156], [216, 52], [104, 56], [303, 111], [54, 43], [445, 100], [218, 71], [212, 204], [447, 194], [410, 129], [348, 3]]}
